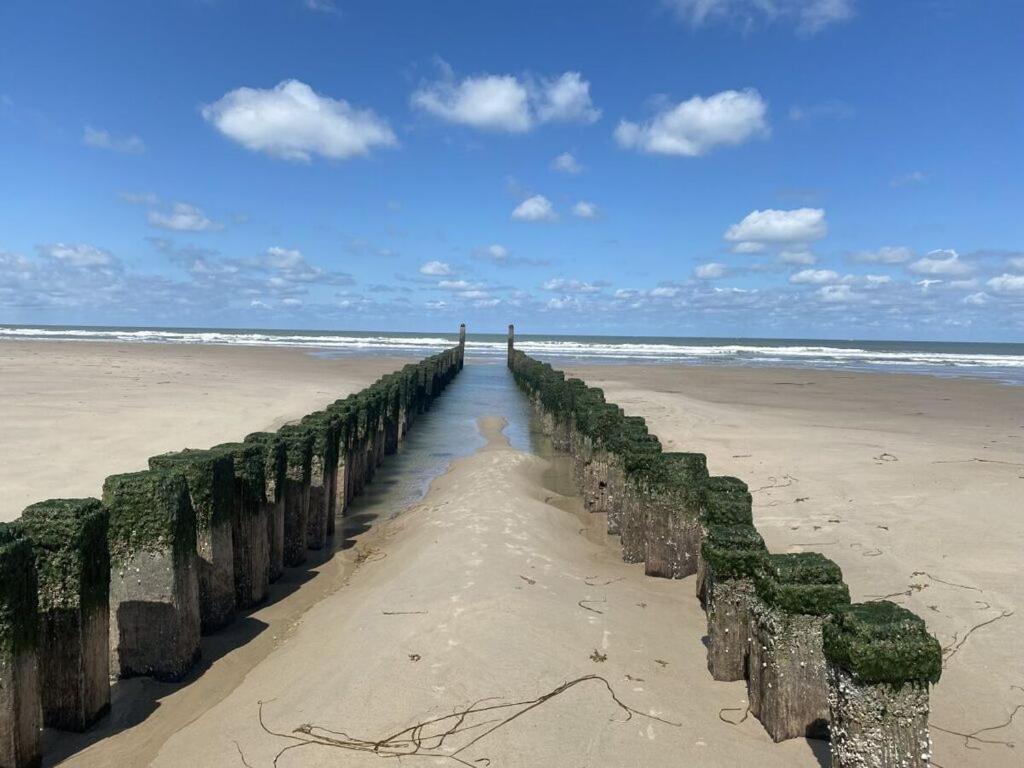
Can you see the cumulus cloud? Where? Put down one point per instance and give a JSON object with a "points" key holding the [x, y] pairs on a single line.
{"points": [[838, 294], [507, 102], [79, 256], [696, 126], [941, 262], [889, 254], [748, 248], [536, 208], [561, 285], [800, 225], [567, 163], [101, 139], [814, 276], [710, 271], [806, 16], [436, 268], [183, 217], [1007, 283], [585, 210], [503, 257], [294, 122]]}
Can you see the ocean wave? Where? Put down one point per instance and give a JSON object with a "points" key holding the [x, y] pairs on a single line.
{"points": [[907, 357]]}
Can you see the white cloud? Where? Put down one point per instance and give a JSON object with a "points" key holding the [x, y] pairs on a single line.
{"points": [[294, 122], [807, 16], [876, 280], [100, 139], [507, 102], [567, 163], [1007, 283], [941, 262], [1017, 263], [436, 268], [183, 217], [536, 208], [494, 252], [800, 225], [585, 210], [838, 294], [814, 276], [710, 271], [888, 254], [566, 100], [696, 126], [79, 256], [573, 286], [797, 257], [474, 294], [664, 292], [978, 299], [748, 248]]}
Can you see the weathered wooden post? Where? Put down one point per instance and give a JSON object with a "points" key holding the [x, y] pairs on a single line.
{"points": [[323, 465], [881, 660], [671, 519], [154, 591], [786, 684], [298, 442], [727, 501], [462, 345], [20, 710], [211, 486], [274, 467], [69, 541], [511, 343], [249, 526], [731, 556]]}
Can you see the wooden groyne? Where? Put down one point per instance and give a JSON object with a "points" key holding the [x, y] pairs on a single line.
{"points": [[815, 665], [126, 585]]}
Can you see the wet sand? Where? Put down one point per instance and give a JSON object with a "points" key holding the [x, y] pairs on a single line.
{"points": [[75, 412], [913, 484]]}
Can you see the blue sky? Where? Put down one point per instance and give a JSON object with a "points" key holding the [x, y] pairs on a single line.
{"points": [[810, 168]]}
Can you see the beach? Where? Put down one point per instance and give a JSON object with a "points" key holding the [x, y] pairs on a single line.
{"points": [[496, 588], [912, 484], [76, 412]]}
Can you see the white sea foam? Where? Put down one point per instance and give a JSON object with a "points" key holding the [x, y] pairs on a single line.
{"points": [[902, 356]]}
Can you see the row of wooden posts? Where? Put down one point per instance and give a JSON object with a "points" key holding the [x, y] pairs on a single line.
{"points": [[815, 665], [125, 586]]}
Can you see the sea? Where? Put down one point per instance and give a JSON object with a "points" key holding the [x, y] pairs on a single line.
{"points": [[1003, 362]]}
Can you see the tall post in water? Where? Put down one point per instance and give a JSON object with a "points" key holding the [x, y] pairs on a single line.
{"points": [[462, 345], [511, 342]]}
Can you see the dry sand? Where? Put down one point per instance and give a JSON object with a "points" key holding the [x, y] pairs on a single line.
{"points": [[75, 412], [913, 484]]}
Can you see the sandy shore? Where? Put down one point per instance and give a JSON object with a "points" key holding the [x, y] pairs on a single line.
{"points": [[494, 590], [75, 412], [913, 484]]}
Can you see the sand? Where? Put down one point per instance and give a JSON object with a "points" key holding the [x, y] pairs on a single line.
{"points": [[497, 588], [913, 484], [75, 412]]}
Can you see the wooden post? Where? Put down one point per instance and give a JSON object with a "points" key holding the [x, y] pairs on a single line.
{"points": [[462, 345], [511, 343]]}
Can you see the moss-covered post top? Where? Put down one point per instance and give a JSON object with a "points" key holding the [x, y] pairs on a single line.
{"points": [[801, 582], [733, 551], [275, 461], [298, 445], [727, 501], [69, 540], [250, 470], [149, 512], [19, 625], [881, 642], [210, 477]]}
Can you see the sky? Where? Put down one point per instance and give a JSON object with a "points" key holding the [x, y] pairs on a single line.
{"points": [[758, 168]]}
